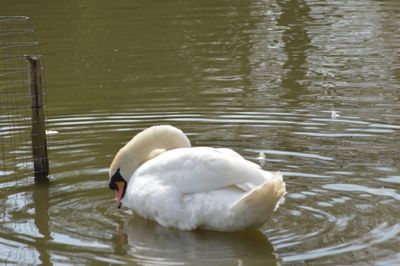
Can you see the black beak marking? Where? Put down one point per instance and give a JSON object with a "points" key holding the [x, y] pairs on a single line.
{"points": [[116, 177], [112, 185]]}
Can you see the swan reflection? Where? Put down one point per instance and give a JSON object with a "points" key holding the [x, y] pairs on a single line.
{"points": [[150, 243]]}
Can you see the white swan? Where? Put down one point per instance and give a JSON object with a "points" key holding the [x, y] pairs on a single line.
{"points": [[161, 177]]}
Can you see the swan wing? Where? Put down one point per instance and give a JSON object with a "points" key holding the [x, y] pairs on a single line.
{"points": [[245, 186], [202, 169], [235, 154]]}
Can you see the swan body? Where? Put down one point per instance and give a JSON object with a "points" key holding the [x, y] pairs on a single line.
{"points": [[193, 187]]}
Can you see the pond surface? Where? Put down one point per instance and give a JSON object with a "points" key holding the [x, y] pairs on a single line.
{"points": [[256, 76]]}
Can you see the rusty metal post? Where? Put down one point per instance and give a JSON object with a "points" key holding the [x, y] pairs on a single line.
{"points": [[39, 142]]}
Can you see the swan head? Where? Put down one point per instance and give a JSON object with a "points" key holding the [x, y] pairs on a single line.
{"points": [[118, 178], [143, 147]]}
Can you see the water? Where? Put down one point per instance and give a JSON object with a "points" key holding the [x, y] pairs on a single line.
{"points": [[262, 77]]}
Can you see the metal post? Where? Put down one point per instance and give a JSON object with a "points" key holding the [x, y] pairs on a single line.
{"points": [[39, 143]]}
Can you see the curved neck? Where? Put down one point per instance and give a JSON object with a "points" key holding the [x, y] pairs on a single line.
{"points": [[147, 145]]}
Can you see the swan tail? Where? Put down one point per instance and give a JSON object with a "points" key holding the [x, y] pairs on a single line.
{"points": [[257, 205]]}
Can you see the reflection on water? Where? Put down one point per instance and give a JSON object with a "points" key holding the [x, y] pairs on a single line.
{"points": [[295, 15], [152, 244], [262, 77], [40, 197]]}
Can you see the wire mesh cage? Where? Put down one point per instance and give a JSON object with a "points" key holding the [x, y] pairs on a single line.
{"points": [[16, 43]]}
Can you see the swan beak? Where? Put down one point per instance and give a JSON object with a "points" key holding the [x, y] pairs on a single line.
{"points": [[119, 194]]}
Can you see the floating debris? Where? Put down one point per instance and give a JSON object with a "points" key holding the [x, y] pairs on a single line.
{"points": [[261, 158], [51, 132], [334, 114]]}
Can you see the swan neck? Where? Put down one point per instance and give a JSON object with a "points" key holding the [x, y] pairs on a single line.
{"points": [[149, 144]]}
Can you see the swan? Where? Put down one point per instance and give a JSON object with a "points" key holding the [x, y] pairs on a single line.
{"points": [[161, 177]]}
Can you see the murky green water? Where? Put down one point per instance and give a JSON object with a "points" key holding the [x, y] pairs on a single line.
{"points": [[256, 76]]}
